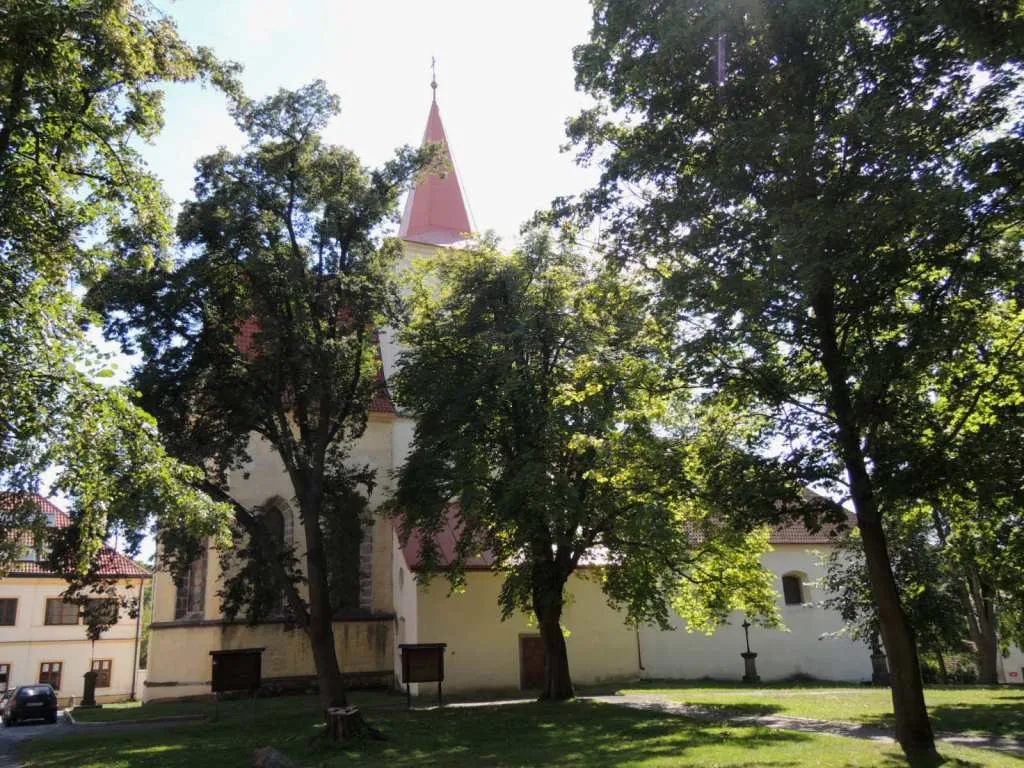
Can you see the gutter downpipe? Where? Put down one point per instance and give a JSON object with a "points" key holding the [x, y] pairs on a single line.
{"points": [[138, 633]]}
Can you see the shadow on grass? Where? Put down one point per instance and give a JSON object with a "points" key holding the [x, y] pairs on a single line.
{"points": [[893, 761], [577, 733], [574, 733], [1004, 717]]}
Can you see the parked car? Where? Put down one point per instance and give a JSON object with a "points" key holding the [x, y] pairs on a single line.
{"points": [[5, 699], [31, 702]]}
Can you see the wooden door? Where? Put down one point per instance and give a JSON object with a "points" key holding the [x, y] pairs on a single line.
{"points": [[531, 662]]}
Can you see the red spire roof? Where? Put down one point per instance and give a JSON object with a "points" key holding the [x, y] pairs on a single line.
{"points": [[436, 212]]}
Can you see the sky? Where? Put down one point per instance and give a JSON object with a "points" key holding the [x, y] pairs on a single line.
{"points": [[505, 87]]}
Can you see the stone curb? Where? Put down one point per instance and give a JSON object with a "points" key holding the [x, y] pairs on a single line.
{"points": [[159, 720]]}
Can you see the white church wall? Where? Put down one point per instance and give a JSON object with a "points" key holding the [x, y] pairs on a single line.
{"points": [[803, 650], [1012, 667]]}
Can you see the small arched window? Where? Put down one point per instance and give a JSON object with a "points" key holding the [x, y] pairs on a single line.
{"points": [[274, 519], [793, 588]]}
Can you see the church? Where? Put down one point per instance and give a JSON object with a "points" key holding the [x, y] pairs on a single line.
{"points": [[482, 650]]}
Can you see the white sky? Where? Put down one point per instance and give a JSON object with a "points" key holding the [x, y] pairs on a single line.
{"points": [[506, 87]]}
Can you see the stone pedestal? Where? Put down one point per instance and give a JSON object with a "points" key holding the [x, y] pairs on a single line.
{"points": [[750, 668], [89, 694], [879, 668]]}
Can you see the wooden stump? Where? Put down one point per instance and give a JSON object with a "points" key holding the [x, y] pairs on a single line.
{"points": [[344, 723]]}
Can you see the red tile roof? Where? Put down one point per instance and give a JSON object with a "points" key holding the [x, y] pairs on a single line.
{"points": [[111, 562], [445, 540], [47, 507], [797, 533], [381, 401], [435, 211]]}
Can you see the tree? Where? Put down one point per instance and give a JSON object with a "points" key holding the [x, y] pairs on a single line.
{"points": [[264, 329], [79, 87], [821, 190], [972, 481], [545, 436], [928, 588]]}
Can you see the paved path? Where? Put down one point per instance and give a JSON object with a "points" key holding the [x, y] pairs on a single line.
{"points": [[656, 703]]}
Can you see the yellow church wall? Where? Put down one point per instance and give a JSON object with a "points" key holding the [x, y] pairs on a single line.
{"points": [[180, 664], [483, 651], [179, 661]]}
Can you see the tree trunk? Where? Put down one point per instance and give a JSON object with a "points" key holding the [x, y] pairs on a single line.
{"points": [[987, 641], [913, 728], [943, 673], [557, 682], [320, 630], [981, 619], [547, 588]]}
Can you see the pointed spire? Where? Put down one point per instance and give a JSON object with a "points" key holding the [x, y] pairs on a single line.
{"points": [[436, 212]]}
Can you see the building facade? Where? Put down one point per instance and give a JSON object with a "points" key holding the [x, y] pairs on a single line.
{"points": [[483, 651], [43, 639]]}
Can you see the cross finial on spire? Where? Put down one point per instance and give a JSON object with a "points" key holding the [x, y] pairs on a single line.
{"points": [[433, 76]]}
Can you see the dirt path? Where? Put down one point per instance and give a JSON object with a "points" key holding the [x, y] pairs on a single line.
{"points": [[656, 703]]}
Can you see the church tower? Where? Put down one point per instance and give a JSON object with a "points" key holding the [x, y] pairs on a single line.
{"points": [[435, 216], [435, 212]]}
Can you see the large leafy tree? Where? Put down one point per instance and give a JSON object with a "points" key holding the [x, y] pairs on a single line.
{"points": [[79, 88], [973, 479], [929, 588], [264, 329], [546, 437], [822, 191]]}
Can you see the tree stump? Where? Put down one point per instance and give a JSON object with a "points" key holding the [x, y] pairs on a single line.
{"points": [[344, 723]]}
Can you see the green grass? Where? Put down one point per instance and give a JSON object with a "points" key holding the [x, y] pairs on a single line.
{"points": [[967, 709], [573, 734], [135, 711]]}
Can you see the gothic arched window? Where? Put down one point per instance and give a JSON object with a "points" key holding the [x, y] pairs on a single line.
{"points": [[273, 518]]}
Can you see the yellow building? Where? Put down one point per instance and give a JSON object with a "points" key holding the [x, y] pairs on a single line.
{"points": [[188, 622], [482, 650], [43, 639]]}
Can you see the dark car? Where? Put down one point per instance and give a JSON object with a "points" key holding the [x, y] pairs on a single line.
{"points": [[31, 702]]}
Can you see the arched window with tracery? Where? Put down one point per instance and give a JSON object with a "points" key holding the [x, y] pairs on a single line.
{"points": [[278, 521]]}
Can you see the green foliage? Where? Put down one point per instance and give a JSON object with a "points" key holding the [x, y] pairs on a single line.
{"points": [[264, 329], [147, 619], [80, 84], [928, 586], [544, 412], [828, 196]]}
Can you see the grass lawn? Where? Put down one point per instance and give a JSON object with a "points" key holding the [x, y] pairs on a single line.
{"points": [[135, 711], [964, 709], [572, 734]]}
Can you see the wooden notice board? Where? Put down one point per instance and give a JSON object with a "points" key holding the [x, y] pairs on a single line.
{"points": [[422, 663], [236, 670]]}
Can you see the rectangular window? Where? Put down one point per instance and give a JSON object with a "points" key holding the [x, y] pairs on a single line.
{"points": [[105, 609], [188, 603], [102, 669], [8, 611], [49, 672], [59, 612], [5, 676], [792, 589]]}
